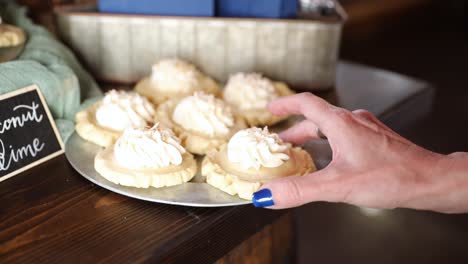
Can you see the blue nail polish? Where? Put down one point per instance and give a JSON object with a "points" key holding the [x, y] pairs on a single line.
{"points": [[263, 198]]}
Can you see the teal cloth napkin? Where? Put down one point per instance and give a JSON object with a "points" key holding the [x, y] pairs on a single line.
{"points": [[49, 64]]}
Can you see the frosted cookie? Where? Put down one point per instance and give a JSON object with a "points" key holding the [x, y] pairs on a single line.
{"points": [[103, 122], [146, 157], [201, 121], [174, 78], [253, 157], [250, 93]]}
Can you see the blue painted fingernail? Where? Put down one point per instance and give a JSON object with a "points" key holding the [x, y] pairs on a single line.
{"points": [[263, 198]]}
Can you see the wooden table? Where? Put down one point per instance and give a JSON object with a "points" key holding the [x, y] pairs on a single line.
{"points": [[51, 214]]}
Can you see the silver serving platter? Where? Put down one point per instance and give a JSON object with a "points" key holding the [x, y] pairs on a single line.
{"points": [[197, 193], [80, 154]]}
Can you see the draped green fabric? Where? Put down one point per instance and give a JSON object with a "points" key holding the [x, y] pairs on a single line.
{"points": [[49, 64]]}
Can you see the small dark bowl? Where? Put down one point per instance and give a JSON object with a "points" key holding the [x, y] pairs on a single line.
{"points": [[11, 52]]}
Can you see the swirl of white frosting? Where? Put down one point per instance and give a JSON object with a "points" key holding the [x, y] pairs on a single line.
{"points": [[205, 114], [256, 147], [119, 110], [175, 75], [249, 91], [148, 148]]}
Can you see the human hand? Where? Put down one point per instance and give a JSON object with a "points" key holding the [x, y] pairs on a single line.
{"points": [[372, 166]]}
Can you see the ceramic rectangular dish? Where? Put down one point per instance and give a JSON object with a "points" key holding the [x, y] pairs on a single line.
{"points": [[122, 48]]}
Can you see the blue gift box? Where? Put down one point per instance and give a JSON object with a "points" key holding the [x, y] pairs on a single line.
{"points": [[159, 7], [257, 8]]}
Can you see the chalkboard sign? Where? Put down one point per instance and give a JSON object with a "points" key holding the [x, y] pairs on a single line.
{"points": [[28, 135]]}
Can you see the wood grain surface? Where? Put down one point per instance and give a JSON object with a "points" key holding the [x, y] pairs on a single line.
{"points": [[50, 214], [273, 244]]}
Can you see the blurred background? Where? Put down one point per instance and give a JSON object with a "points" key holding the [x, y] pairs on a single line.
{"points": [[425, 39]]}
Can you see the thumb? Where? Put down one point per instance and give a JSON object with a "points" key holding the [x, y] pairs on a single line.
{"points": [[294, 191]]}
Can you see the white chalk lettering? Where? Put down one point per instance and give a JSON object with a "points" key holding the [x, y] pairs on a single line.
{"points": [[11, 155], [31, 115]]}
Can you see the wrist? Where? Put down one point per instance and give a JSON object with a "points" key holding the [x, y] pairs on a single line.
{"points": [[440, 183], [420, 181]]}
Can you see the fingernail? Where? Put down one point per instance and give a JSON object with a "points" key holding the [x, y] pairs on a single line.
{"points": [[263, 198]]}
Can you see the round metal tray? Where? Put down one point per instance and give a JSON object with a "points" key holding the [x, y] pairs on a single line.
{"points": [[80, 154]]}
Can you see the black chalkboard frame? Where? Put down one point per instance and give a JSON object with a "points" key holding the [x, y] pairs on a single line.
{"points": [[58, 145]]}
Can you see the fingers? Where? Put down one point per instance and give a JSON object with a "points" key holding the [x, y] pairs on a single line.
{"points": [[300, 133], [312, 107], [295, 191]]}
